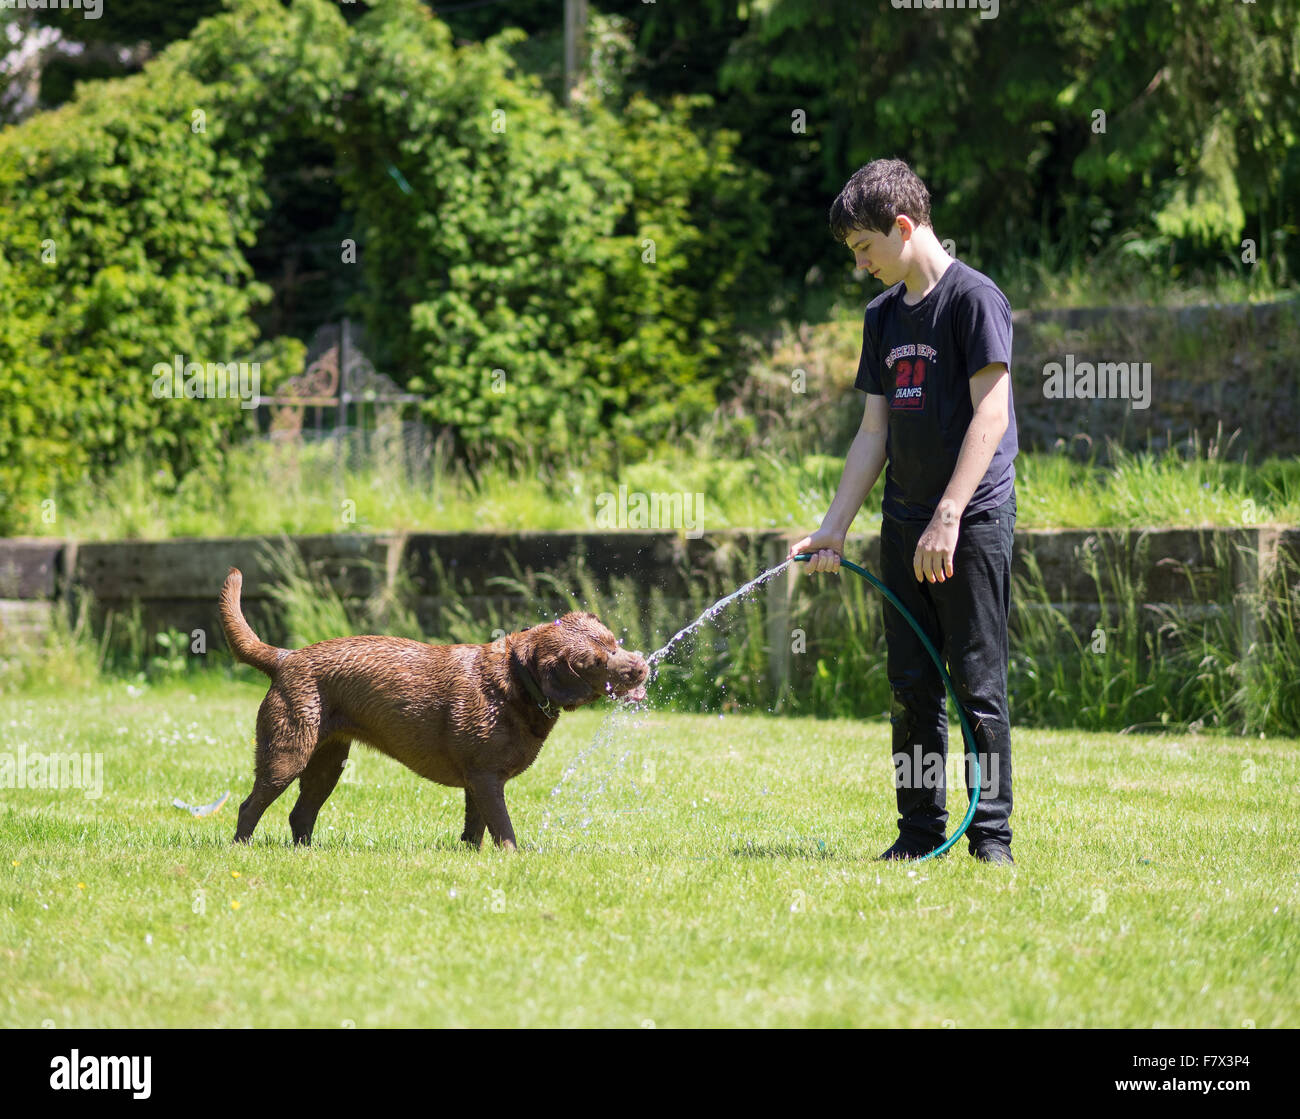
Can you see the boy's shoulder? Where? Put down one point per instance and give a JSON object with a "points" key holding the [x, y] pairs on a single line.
{"points": [[959, 280], [885, 298], [966, 277]]}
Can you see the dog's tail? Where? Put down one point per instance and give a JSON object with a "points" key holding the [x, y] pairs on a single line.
{"points": [[244, 643]]}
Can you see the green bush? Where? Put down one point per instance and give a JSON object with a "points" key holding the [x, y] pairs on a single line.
{"points": [[507, 246], [120, 247], [495, 232]]}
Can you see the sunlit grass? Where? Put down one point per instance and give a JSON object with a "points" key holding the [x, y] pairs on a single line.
{"points": [[258, 492], [726, 877]]}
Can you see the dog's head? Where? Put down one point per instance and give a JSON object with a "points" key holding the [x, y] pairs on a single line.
{"points": [[576, 659]]}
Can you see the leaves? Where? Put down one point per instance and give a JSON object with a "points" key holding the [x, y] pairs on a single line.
{"points": [[516, 243]]}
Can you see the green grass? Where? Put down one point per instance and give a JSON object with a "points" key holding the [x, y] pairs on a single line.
{"points": [[1166, 488], [725, 878], [785, 490], [1122, 275], [309, 497]]}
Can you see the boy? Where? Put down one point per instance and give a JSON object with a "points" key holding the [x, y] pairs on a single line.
{"points": [[935, 365]]}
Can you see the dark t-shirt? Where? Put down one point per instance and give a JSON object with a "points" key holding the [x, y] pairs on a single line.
{"points": [[921, 358]]}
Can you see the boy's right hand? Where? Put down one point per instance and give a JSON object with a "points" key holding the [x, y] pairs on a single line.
{"points": [[826, 548]]}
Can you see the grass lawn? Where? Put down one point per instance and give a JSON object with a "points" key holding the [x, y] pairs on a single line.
{"points": [[719, 873]]}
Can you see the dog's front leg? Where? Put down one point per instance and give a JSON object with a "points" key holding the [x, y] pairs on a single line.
{"points": [[474, 822], [489, 794]]}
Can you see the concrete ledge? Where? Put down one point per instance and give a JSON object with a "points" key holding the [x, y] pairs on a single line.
{"points": [[174, 583]]}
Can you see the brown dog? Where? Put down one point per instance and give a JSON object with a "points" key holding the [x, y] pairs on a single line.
{"points": [[469, 716]]}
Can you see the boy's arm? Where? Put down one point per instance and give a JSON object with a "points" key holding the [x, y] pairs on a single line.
{"points": [[862, 466], [990, 398]]}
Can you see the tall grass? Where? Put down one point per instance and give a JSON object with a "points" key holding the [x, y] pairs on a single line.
{"points": [[1127, 666], [1221, 660], [1119, 275], [1193, 485], [1114, 669], [1246, 661], [781, 485], [1270, 693], [1135, 667], [65, 656]]}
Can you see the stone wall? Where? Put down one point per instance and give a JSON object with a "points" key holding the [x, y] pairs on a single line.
{"points": [[1215, 370], [174, 583]]}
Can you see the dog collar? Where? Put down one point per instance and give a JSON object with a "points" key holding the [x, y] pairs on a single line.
{"points": [[530, 686]]}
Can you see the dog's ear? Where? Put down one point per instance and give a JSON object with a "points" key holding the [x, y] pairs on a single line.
{"points": [[560, 684], [558, 661]]}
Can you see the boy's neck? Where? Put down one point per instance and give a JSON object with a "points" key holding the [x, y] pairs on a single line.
{"points": [[929, 263]]}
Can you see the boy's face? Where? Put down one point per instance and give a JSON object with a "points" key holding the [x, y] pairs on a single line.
{"points": [[885, 256]]}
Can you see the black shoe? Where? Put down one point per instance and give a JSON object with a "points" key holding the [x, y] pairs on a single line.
{"points": [[904, 850], [993, 851]]}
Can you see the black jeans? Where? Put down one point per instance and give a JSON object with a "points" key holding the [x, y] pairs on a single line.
{"points": [[966, 619]]}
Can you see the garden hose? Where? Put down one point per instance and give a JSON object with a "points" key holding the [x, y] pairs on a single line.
{"points": [[967, 733]]}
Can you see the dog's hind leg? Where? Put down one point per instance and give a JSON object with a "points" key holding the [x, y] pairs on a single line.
{"points": [[265, 791], [474, 822], [316, 784], [284, 747]]}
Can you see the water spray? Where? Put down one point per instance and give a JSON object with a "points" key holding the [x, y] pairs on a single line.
{"points": [[713, 611]]}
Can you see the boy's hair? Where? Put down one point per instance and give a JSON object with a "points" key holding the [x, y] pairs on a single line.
{"points": [[876, 195]]}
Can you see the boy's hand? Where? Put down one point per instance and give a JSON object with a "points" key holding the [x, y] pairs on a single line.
{"points": [[934, 551], [826, 548]]}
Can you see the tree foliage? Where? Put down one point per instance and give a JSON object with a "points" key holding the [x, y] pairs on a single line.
{"points": [[1201, 102], [597, 261]]}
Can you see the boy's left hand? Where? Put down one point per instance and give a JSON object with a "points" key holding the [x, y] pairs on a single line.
{"points": [[937, 546]]}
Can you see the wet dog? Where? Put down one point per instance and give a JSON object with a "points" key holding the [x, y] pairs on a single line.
{"points": [[468, 716]]}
